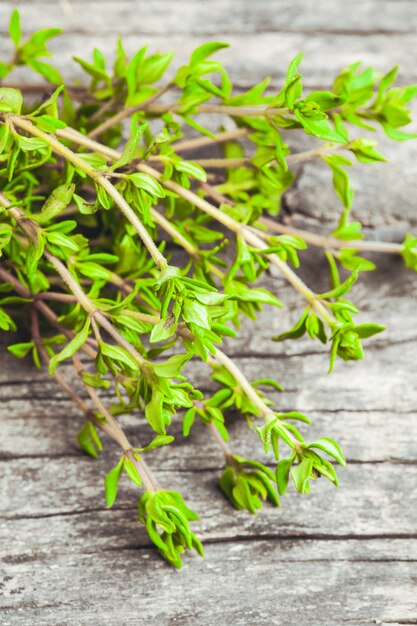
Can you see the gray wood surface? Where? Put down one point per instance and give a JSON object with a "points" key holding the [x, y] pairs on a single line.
{"points": [[345, 556]]}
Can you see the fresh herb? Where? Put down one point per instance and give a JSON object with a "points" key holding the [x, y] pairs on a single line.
{"points": [[87, 231]]}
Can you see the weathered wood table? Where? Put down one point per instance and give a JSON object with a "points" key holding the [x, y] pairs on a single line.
{"points": [[346, 556]]}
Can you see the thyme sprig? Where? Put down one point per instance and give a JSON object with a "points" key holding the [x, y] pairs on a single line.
{"points": [[115, 258]]}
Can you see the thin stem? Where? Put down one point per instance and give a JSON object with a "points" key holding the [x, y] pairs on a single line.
{"points": [[292, 278], [96, 329], [222, 109], [31, 229], [42, 87], [238, 228], [299, 157], [306, 155], [113, 155], [176, 235], [142, 317], [329, 242], [119, 435], [202, 142], [45, 358], [98, 178], [159, 109], [221, 164], [112, 428], [215, 194], [243, 382], [224, 163], [43, 308], [104, 108], [245, 385], [121, 115], [220, 442], [250, 237], [56, 297], [193, 198]]}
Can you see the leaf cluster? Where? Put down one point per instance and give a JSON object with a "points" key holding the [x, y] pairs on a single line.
{"points": [[132, 263]]}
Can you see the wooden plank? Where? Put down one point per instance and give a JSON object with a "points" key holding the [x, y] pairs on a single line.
{"points": [[317, 583], [247, 61], [215, 17], [383, 296], [377, 400], [372, 436], [339, 556], [380, 498], [306, 391], [383, 191]]}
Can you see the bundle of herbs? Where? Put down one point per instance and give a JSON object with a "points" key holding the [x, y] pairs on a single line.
{"points": [[91, 216]]}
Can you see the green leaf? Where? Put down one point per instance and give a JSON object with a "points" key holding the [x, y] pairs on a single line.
{"points": [[20, 350], [62, 241], [132, 471], [116, 353], [46, 70], [148, 184], [34, 254], [206, 50], [154, 67], [49, 124], [10, 100], [343, 288], [188, 421], [56, 202], [330, 447], [49, 102], [94, 70], [397, 135], [367, 330], [283, 474], [172, 367], [341, 180], [298, 330], [157, 513], [30, 143], [154, 412], [296, 415], [94, 380], [111, 483], [348, 346], [35, 46], [301, 474], [293, 67], [102, 198], [192, 169], [130, 149], [14, 27], [267, 381], [94, 271], [195, 313], [71, 348], [88, 440], [319, 128], [364, 150], [164, 329], [130, 322], [325, 99], [211, 298], [158, 441]]}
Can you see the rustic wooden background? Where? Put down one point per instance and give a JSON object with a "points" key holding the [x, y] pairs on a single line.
{"points": [[345, 556]]}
